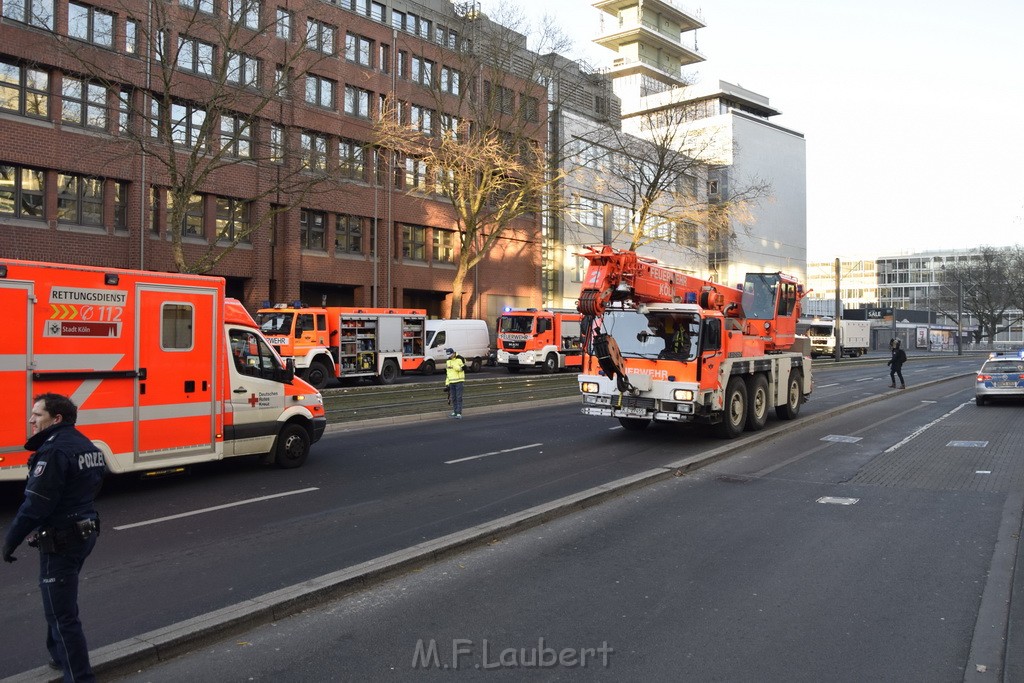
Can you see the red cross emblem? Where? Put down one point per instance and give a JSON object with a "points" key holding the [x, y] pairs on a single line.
{"points": [[253, 400]]}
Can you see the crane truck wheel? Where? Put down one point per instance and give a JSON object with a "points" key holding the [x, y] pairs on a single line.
{"points": [[317, 374], [550, 364], [757, 402], [794, 397], [734, 413], [292, 447], [388, 372], [633, 424]]}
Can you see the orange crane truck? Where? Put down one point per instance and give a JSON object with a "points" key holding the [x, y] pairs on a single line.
{"points": [[664, 346]]}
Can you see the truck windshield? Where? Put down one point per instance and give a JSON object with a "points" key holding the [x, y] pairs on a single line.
{"points": [[519, 324], [759, 292], [672, 335], [275, 323], [819, 331]]}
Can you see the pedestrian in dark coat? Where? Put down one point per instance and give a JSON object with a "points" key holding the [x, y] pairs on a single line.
{"points": [[899, 357], [58, 517]]}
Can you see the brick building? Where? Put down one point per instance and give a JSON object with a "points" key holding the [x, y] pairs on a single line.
{"points": [[318, 213]]}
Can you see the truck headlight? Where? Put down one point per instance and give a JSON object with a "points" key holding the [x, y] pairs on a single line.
{"points": [[682, 394], [588, 387]]}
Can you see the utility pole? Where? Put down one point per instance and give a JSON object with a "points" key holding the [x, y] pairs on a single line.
{"points": [[837, 324]]}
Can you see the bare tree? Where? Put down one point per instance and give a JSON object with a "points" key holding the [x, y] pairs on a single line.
{"points": [[988, 286], [204, 101], [478, 130], [669, 177]]}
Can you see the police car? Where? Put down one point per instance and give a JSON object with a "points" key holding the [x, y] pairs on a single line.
{"points": [[1001, 376]]}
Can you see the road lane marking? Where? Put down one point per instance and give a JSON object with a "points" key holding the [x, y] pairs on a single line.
{"points": [[928, 426], [484, 455], [838, 438], [866, 379], [834, 500], [826, 386], [213, 509]]}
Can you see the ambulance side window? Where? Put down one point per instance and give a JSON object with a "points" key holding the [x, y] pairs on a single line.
{"points": [[176, 325], [252, 355]]}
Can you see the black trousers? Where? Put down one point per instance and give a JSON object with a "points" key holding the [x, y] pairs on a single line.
{"points": [[896, 371], [58, 582]]}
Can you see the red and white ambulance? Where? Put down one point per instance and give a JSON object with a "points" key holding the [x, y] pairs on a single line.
{"points": [[166, 371]]}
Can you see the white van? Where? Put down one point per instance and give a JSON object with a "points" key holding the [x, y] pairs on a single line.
{"points": [[468, 337]]}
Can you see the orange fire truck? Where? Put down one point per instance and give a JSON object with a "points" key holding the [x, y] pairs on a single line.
{"points": [[532, 338], [668, 347], [346, 342], [165, 370]]}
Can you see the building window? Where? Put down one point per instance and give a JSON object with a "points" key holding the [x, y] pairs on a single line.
{"points": [[24, 90], [282, 82], [186, 124], [79, 200], [416, 175], [358, 49], [83, 103], [22, 192], [500, 98], [450, 79], [378, 12], [414, 243], [236, 136], [530, 108], [314, 152], [348, 234], [400, 67], [195, 56], [351, 159], [90, 24], [120, 206], [131, 37], [357, 101], [192, 220], [398, 20], [384, 58], [422, 71], [450, 125], [32, 12], [243, 70], [312, 229], [232, 220], [284, 24], [123, 104], [245, 13], [276, 143], [320, 91], [444, 245], [320, 36], [422, 119], [204, 6]]}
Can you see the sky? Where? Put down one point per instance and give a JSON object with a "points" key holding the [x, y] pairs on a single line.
{"points": [[912, 110]]}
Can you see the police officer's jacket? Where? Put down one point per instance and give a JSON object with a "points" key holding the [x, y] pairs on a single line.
{"points": [[64, 475]]}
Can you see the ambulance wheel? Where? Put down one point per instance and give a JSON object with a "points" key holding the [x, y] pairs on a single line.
{"points": [[633, 424], [292, 447], [317, 374], [757, 402], [794, 397], [427, 368], [476, 365], [550, 364], [734, 413], [388, 373], [513, 369]]}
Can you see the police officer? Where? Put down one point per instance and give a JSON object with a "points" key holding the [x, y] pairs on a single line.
{"points": [[65, 473], [455, 380]]}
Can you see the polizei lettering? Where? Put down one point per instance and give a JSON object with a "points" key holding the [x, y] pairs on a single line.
{"points": [[93, 459]]}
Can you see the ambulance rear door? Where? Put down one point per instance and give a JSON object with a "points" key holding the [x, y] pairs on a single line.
{"points": [[15, 351]]}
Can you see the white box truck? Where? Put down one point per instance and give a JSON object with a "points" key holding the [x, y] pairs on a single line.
{"points": [[856, 336]]}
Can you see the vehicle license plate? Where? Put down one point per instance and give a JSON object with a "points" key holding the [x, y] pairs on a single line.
{"points": [[634, 412], [1006, 384]]}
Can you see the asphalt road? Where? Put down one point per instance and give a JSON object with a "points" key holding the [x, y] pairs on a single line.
{"points": [[176, 548]]}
